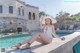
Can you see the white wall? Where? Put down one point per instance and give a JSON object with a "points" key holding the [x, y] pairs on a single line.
{"points": [[6, 4], [27, 9], [24, 20], [31, 24]]}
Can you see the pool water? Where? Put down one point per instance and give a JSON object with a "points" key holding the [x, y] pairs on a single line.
{"points": [[76, 48], [8, 42], [11, 41], [64, 34]]}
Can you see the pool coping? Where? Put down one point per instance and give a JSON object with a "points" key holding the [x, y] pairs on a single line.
{"points": [[58, 46]]}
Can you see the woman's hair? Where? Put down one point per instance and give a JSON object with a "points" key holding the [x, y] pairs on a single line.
{"points": [[50, 21]]}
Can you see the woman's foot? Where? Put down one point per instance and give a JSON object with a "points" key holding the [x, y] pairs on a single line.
{"points": [[16, 46], [24, 46]]}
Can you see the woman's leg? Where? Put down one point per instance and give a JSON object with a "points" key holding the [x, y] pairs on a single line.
{"points": [[44, 38], [38, 40], [40, 37], [19, 44], [28, 40]]}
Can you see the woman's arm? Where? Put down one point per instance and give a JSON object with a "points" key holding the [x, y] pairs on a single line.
{"points": [[42, 26], [54, 32]]}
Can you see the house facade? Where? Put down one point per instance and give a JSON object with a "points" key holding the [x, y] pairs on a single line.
{"points": [[16, 14]]}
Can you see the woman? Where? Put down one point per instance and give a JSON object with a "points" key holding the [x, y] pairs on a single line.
{"points": [[44, 38]]}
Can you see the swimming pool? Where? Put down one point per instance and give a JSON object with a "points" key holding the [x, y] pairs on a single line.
{"points": [[13, 40], [76, 48]]}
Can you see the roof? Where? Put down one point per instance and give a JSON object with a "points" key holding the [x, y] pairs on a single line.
{"points": [[27, 4]]}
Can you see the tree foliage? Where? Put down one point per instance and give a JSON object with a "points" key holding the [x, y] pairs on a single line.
{"points": [[42, 13], [66, 17]]}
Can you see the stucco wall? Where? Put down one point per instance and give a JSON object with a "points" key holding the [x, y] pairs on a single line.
{"points": [[6, 4], [24, 20]]}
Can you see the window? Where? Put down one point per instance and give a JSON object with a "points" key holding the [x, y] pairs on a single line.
{"points": [[11, 9], [19, 11], [22, 12], [29, 15], [1, 9], [33, 16]]}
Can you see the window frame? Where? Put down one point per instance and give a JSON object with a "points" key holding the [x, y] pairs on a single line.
{"points": [[1, 9], [10, 9], [22, 12], [19, 11]]}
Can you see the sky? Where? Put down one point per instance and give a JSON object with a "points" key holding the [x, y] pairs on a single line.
{"points": [[53, 7]]}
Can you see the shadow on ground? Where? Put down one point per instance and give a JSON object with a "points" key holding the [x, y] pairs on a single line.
{"points": [[36, 46]]}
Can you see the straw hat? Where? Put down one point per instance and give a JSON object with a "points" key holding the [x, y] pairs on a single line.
{"points": [[42, 19]]}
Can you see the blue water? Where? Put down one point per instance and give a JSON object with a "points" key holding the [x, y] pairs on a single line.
{"points": [[14, 39], [11, 41], [76, 48]]}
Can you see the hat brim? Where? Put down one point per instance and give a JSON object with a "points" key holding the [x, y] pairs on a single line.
{"points": [[42, 20]]}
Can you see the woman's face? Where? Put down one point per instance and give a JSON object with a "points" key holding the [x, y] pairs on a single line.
{"points": [[48, 21]]}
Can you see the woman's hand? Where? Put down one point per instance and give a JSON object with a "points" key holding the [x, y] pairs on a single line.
{"points": [[42, 26]]}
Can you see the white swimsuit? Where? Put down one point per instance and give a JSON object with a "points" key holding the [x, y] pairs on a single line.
{"points": [[48, 31]]}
